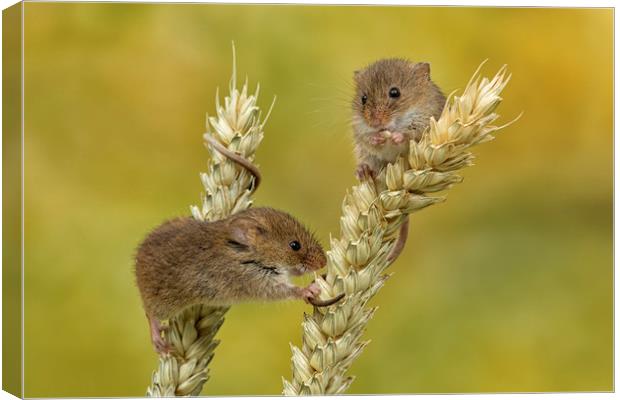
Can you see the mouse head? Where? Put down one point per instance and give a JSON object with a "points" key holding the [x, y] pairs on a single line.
{"points": [[386, 91], [274, 240]]}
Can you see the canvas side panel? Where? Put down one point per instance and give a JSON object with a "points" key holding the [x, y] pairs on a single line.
{"points": [[12, 199]]}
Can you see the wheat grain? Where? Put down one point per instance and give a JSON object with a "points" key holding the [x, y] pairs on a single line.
{"points": [[372, 213], [238, 125]]}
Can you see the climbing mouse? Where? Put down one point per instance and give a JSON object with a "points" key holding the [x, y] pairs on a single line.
{"points": [[393, 102], [247, 256]]}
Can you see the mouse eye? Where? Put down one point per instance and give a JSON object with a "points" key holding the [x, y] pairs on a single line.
{"points": [[364, 99], [394, 93], [295, 245]]}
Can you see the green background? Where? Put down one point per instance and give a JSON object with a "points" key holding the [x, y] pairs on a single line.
{"points": [[505, 287]]}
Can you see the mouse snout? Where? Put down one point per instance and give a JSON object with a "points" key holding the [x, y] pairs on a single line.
{"points": [[315, 260], [378, 118]]}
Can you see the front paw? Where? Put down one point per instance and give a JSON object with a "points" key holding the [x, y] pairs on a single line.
{"points": [[376, 139], [364, 171], [310, 292], [398, 137]]}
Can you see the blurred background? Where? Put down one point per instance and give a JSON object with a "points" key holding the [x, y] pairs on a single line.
{"points": [[507, 286]]}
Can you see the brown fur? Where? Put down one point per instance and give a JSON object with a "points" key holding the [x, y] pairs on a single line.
{"points": [[244, 257], [407, 115], [420, 98]]}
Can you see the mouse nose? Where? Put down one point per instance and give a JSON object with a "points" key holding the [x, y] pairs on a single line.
{"points": [[316, 260], [378, 119]]}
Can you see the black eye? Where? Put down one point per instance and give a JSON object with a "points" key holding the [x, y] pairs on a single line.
{"points": [[394, 93], [295, 245], [364, 99]]}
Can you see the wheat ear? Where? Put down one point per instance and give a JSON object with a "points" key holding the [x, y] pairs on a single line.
{"points": [[372, 213], [239, 127]]}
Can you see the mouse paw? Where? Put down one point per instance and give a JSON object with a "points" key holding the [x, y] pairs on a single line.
{"points": [[398, 137], [309, 292], [161, 346], [364, 171], [376, 139]]}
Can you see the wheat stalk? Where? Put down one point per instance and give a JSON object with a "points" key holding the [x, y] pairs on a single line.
{"points": [[373, 212], [239, 127]]}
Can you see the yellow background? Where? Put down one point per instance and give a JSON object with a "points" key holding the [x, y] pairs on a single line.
{"points": [[505, 287]]}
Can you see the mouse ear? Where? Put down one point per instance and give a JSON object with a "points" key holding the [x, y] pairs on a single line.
{"points": [[243, 231], [422, 70]]}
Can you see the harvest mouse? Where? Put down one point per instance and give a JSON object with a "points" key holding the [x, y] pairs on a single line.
{"points": [[247, 256], [394, 100]]}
